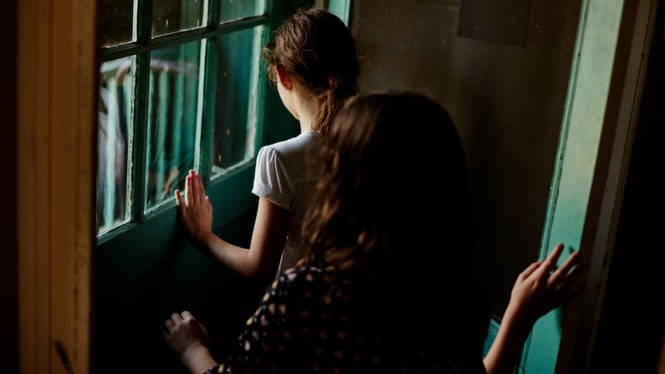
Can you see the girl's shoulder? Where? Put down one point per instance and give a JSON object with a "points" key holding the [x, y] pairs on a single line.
{"points": [[309, 277], [294, 147], [304, 274]]}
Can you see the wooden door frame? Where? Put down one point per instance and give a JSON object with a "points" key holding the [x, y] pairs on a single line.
{"points": [[57, 80], [604, 209], [8, 213], [597, 137]]}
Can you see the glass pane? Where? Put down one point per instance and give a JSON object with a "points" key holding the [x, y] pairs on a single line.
{"points": [[116, 95], [237, 9], [172, 106], [237, 81], [117, 22], [169, 16]]}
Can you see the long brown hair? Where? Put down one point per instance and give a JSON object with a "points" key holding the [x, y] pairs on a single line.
{"points": [[394, 215], [317, 49], [380, 159]]}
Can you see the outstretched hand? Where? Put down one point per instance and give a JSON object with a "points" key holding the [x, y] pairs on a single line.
{"points": [[542, 286], [184, 333], [189, 340], [194, 209]]}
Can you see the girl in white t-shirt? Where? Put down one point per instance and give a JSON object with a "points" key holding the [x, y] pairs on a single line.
{"points": [[312, 60]]}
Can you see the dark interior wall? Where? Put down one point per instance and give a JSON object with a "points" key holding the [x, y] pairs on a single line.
{"points": [[8, 213], [501, 70], [129, 321]]}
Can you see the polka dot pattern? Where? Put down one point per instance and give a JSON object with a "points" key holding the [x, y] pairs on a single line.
{"points": [[307, 322]]}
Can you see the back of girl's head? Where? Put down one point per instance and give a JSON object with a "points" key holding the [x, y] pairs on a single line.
{"points": [[395, 176], [317, 50]]}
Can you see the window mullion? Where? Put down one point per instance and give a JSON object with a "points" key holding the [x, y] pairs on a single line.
{"points": [[144, 22], [141, 121], [206, 115], [206, 108], [140, 138], [259, 85], [213, 14]]}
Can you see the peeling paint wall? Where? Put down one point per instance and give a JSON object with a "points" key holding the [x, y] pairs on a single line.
{"points": [[504, 86]]}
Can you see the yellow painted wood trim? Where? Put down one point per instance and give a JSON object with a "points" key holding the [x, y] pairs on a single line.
{"points": [[57, 121]]}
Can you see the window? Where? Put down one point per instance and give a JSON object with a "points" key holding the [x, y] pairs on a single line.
{"points": [[180, 85]]}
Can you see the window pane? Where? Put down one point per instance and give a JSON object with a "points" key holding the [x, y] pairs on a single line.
{"points": [[169, 16], [237, 9], [172, 108], [117, 22], [237, 81], [114, 121]]}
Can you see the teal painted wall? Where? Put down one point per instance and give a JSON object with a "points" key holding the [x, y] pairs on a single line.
{"points": [[577, 150]]}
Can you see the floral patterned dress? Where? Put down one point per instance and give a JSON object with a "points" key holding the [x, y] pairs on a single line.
{"points": [[308, 322]]}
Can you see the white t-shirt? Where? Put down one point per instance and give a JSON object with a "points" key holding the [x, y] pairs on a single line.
{"points": [[286, 174]]}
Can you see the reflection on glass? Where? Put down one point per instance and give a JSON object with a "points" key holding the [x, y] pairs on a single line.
{"points": [[238, 67], [169, 16], [171, 128], [114, 122], [237, 9], [117, 22]]}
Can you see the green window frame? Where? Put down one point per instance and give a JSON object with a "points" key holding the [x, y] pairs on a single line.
{"points": [[171, 96], [176, 93]]}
